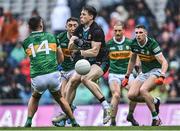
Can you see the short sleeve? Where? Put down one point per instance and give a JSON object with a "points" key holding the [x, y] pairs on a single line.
{"points": [[156, 49], [98, 36]]}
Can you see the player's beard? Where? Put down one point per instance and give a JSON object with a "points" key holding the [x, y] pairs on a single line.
{"points": [[118, 38]]}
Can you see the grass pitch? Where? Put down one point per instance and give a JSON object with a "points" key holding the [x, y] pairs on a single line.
{"points": [[95, 128]]}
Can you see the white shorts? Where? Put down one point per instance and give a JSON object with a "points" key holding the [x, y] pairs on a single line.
{"points": [[65, 75], [118, 78], [144, 76], [49, 81]]}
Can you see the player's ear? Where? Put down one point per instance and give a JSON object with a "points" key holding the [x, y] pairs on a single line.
{"points": [[41, 25], [145, 32], [92, 17]]}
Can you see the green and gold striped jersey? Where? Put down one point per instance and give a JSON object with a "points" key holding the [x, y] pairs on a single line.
{"points": [[63, 41], [119, 54], [41, 47], [147, 53]]}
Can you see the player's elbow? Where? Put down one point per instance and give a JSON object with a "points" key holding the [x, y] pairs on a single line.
{"points": [[95, 54]]}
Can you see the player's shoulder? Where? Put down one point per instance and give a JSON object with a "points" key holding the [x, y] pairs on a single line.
{"points": [[49, 34], [110, 41], [95, 27], [152, 42], [134, 41], [26, 40], [61, 35], [80, 27], [128, 40]]}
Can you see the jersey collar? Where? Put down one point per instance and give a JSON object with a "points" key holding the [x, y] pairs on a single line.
{"points": [[119, 42], [37, 31], [86, 29], [144, 43], [68, 36]]}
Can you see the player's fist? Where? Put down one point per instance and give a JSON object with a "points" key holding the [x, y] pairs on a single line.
{"points": [[78, 43], [125, 81], [159, 80]]}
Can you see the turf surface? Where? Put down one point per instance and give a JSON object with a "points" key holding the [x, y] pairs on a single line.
{"points": [[121, 128]]}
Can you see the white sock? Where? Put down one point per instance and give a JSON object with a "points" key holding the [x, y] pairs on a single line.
{"points": [[105, 104], [155, 117], [155, 100]]}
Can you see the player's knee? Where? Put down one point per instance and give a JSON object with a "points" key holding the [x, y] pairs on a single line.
{"points": [[116, 95], [143, 91], [75, 84], [84, 80], [131, 96], [36, 95]]}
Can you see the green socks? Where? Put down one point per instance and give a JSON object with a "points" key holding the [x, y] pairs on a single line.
{"points": [[28, 122], [130, 112], [154, 115], [74, 123], [113, 119]]}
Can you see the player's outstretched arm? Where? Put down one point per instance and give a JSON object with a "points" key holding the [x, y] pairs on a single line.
{"points": [[93, 52]]}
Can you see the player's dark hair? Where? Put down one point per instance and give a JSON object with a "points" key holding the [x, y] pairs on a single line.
{"points": [[72, 19], [141, 26], [34, 22], [91, 10]]}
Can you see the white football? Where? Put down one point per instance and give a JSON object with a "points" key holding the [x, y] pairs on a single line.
{"points": [[82, 67]]}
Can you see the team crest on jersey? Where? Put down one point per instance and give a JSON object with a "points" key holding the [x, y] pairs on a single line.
{"points": [[127, 47], [147, 52]]}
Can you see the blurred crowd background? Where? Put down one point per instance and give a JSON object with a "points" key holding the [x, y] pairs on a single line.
{"points": [[161, 18]]}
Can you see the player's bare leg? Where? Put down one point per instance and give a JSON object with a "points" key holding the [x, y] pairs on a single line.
{"points": [[130, 117], [71, 87], [70, 91], [132, 106], [63, 88], [32, 107], [147, 86], [88, 81], [134, 89], [65, 106], [115, 90]]}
